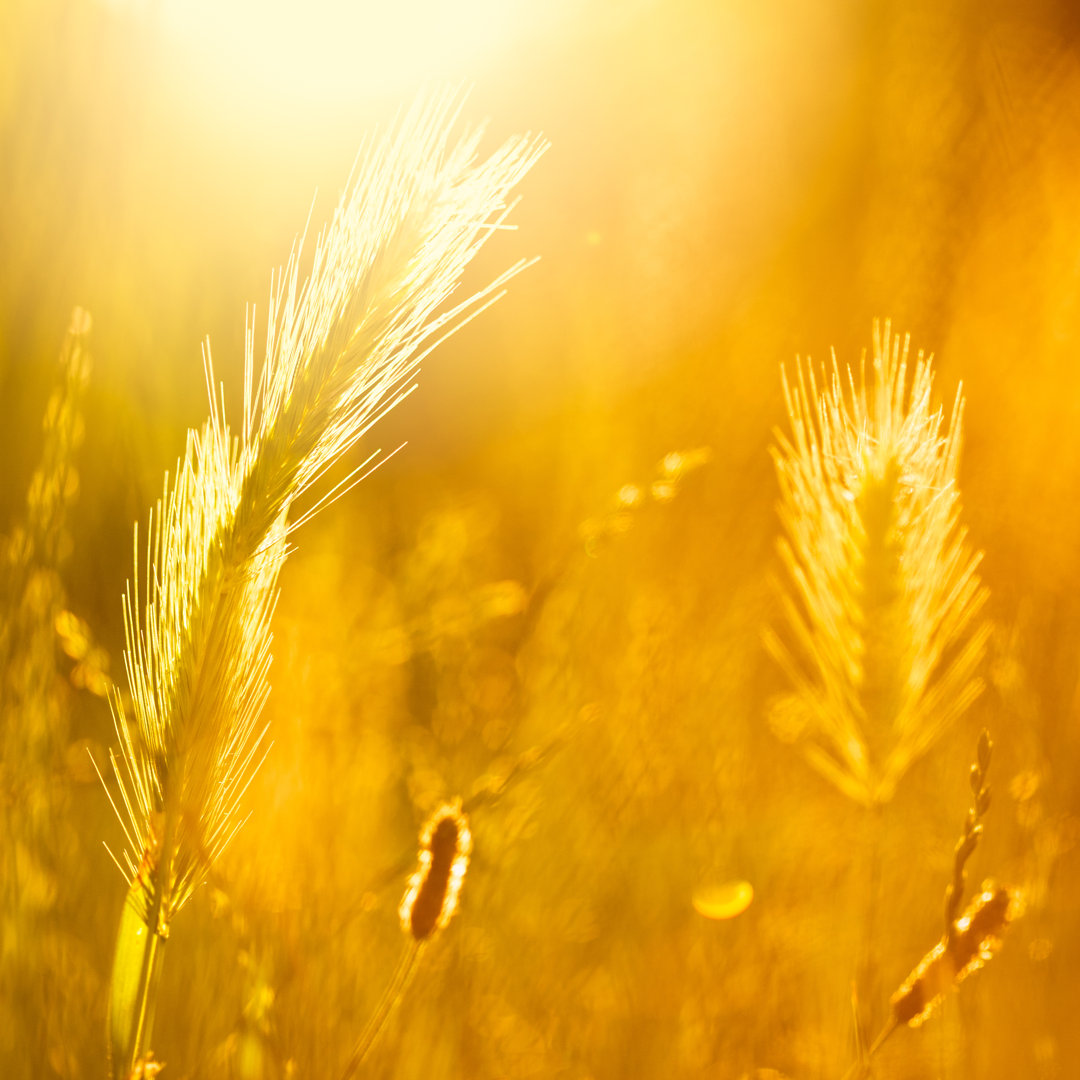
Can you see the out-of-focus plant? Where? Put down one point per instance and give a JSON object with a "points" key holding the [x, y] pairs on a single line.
{"points": [[880, 646], [670, 473], [430, 900], [970, 940], [342, 346], [883, 643], [34, 727]]}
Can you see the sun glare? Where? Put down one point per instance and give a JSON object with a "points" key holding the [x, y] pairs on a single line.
{"points": [[328, 50]]}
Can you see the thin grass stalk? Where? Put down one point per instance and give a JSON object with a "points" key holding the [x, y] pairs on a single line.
{"points": [[391, 998], [430, 902], [341, 350]]}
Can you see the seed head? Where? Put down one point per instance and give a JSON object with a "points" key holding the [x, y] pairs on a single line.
{"points": [[432, 894], [882, 643], [976, 937], [342, 348]]}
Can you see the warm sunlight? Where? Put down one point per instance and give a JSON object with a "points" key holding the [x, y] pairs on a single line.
{"points": [[323, 51], [539, 540]]}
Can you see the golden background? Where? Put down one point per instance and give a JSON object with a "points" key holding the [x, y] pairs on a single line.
{"points": [[730, 185]]}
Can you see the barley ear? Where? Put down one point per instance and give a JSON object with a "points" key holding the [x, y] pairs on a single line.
{"points": [[342, 348], [881, 642]]}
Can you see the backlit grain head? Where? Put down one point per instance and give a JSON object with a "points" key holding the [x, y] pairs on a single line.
{"points": [[343, 347], [881, 644]]}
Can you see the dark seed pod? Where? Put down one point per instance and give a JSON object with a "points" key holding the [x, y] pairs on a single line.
{"points": [[977, 937], [432, 894]]}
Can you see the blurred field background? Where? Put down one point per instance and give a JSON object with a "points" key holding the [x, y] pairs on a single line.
{"points": [[730, 184]]}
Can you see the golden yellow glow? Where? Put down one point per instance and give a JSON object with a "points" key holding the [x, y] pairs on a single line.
{"points": [[723, 901], [690, 861], [326, 52]]}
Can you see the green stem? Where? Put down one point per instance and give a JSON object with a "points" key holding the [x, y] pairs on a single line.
{"points": [[140, 947]]}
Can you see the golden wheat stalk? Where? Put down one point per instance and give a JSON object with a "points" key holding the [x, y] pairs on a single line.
{"points": [[342, 347], [883, 589]]}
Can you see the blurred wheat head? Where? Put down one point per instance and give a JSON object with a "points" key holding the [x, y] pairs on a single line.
{"points": [[341, 349], [35, 823], [31, 588], [882, 642]]}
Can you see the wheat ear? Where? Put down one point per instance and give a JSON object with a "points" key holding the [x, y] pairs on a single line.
{"points": [[882, 643], [342, 347]]}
